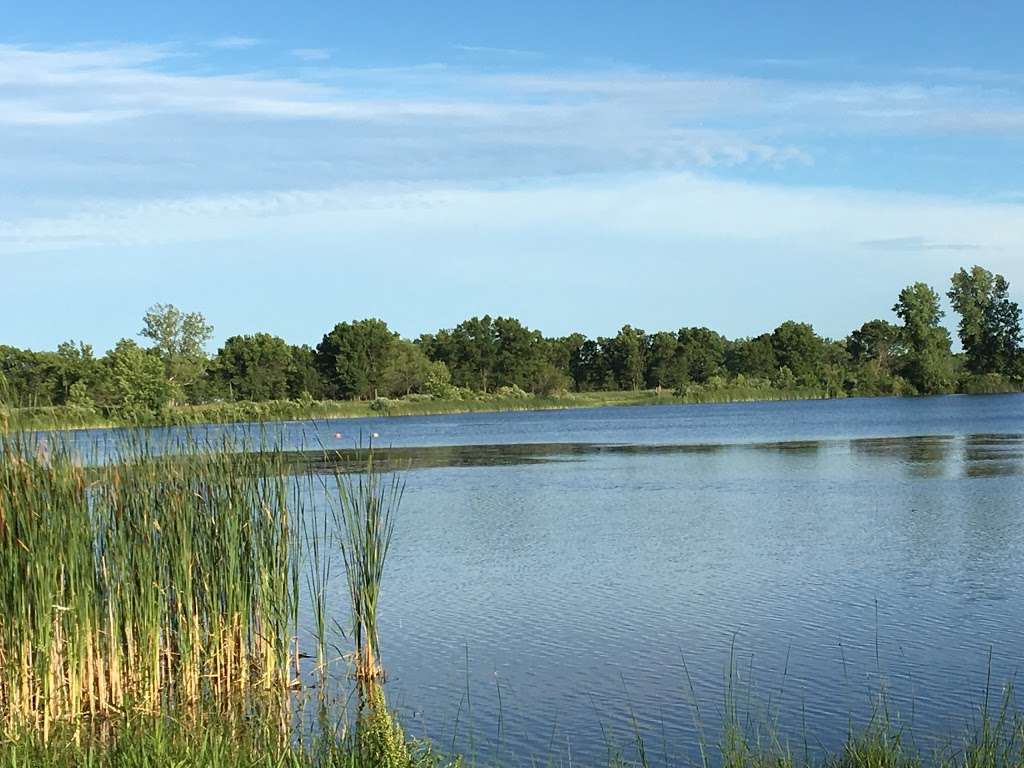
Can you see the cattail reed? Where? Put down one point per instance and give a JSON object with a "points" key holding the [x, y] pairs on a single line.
{"points": [[143, 583]]}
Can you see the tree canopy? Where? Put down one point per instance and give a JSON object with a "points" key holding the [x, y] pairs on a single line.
{"points": [[909, 354]]}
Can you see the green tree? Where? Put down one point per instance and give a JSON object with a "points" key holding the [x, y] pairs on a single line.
{"points": [[353, 356], [254, 367], [138, 378], [520, 354], [663, 363], [627, 357], [876, 340], [702, 353], [469, 350], [752, 357], [990, 323], [74, 364], [876, 351], [561, 351], [928, 362], [304, 379], [407, 370], [590, 368], [798, 348], [179, 339]]}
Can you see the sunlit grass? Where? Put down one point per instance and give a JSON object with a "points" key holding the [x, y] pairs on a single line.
{"points": [[141, 584]]}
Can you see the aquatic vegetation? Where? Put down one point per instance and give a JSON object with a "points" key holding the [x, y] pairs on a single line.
{"points": [[144, 584]]}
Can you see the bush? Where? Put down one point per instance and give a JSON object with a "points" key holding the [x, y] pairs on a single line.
{"points": [[511, 392], [418, 397], [987, 384]]}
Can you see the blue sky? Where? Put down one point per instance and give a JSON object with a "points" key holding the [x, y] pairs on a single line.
{"points": [[577, 165]]}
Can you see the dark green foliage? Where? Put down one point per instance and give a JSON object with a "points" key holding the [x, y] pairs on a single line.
{"points": [[928, 362], [495, 356], [700, 353], [663, 368], [627, 357], [590, 369], [353, 356], [990, 323], [254, 367], [876, 341], [304, 379], [470, 350], [798, 348], [752, 357]]}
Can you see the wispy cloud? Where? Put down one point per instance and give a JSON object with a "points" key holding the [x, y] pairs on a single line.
{"points": [[161, 124], [496, 51], [682, 206], [235, 42], [311, 54], [914, 243]]}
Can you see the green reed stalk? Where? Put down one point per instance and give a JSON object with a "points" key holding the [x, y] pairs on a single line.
{"points": [[365, 519], [146, 583]]}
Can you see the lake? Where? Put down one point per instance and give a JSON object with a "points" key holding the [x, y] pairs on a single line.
{"points": [[590, 566]]}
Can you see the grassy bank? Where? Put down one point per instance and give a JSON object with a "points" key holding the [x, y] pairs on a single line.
{"points": [[77, 417]]}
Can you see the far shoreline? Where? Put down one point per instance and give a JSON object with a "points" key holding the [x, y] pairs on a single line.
{"points": [[70, 419]]}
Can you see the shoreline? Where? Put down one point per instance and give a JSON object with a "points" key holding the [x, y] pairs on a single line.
{"points": [[70, 419]]}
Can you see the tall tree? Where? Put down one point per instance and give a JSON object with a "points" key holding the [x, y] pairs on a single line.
{"points": [[990, 323], [353, 356], [254, 367], [664, 368], [876, 351], [408, 369], [875, 340], [469, 350], [138, 379], [520, 354], [701, 352], [304, 379], [752, 357], [928, 364], [798, 348], [627, 356], [179, 339], [590, 368]]}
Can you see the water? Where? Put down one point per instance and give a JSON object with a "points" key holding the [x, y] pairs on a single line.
{"points": [[822, 551]]}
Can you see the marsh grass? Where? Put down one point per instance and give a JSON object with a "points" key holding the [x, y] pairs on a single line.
{"points": [[143, 584], [82, 417]]}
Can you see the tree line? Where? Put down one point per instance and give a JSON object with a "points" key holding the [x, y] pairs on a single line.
{"points": [[364, 359]]}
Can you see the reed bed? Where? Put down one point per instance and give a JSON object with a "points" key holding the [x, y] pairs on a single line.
{"points": [[143, 584]]}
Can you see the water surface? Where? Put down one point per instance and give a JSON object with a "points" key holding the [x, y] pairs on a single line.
{"points": [[551, 572]]}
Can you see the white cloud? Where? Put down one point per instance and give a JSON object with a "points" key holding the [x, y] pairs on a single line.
{"points": [[682, 207], [204, 152]]}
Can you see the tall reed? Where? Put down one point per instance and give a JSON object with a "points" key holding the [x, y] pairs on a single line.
{"points": [[365, 520], [142, 583]]}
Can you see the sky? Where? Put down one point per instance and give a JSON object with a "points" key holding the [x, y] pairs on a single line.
{"points": [[578, 165]]}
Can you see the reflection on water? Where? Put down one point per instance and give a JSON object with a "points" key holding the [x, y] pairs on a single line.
{"points": [[575, 577], [926, 456]]}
